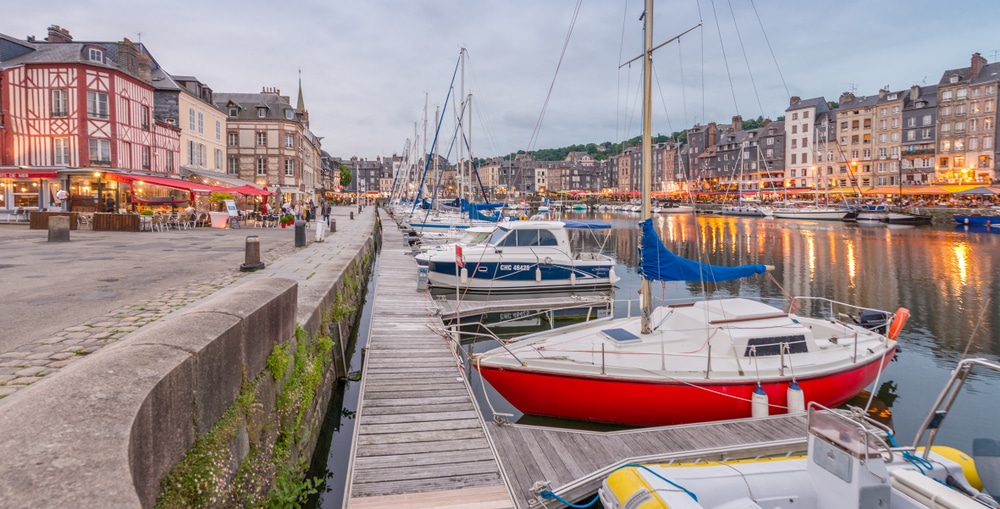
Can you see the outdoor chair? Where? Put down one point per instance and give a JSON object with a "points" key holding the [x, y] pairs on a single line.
{"points": [[17, 215]]}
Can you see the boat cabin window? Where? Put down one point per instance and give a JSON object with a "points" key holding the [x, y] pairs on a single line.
{"points": [[765, 347], [526, 238]]}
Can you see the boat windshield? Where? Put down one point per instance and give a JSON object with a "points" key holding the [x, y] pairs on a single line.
{"points": [[497, 237]]}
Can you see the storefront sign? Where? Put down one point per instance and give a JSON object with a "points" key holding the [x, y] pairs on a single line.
{"points": [[231, 208], [27, 174]]}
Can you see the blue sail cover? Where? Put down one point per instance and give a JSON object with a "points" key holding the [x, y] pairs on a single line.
{"points": [[659, 264]]}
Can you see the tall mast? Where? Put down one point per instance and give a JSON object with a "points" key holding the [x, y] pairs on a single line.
{"points": [[647, 149]]}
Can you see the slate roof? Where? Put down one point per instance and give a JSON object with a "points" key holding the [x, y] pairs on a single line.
{"points": [[249, 103], [859, 102], [818, 102], [15, 51], [990, 72]]}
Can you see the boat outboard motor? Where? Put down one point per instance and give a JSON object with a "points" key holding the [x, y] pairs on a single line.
{"points": [[986, 454], [877, 321]]}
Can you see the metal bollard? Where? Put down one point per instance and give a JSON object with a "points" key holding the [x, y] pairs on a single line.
{"points": [[352, 214], [300, 233], [333, 226], [59, 229], [252, 261]]}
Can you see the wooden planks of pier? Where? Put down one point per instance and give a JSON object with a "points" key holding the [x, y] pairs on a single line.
{"points": [[419, 440]]}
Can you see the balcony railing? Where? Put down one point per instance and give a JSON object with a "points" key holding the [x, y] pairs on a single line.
{"points": [[100, 162]]}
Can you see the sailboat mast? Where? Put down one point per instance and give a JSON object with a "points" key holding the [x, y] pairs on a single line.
{"points": [[647, 149]]}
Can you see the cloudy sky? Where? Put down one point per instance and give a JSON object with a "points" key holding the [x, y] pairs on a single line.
{"points": [[366, 66]]}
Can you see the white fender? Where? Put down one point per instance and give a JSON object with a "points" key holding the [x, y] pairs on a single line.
{"points": [[572, 278], [758, 404], [538, 275], [463, 276], [796, 399]]}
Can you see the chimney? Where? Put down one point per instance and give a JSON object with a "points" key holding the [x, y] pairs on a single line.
{"points": [[914, 92], [127, 56], [794, 99], [846, 97], [882, 92], [737, 123], [766, 123], [712, 135], [977, 64], [143, 69], [60, 35]]}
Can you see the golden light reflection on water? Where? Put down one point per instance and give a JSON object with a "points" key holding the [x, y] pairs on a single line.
{"points": [[852, 264], [961, 252]]}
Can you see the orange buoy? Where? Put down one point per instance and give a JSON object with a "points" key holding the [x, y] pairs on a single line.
{"points": [[902, 314]]}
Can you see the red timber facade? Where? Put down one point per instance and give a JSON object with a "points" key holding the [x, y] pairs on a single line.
{"points": [[72, 111]]}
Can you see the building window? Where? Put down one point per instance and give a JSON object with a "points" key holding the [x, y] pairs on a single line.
{"points": [[770, 141], [95, 55], [234, 112], [925, 134], [961, 93], [289, 141], [946, 95], [218, 159], [144, 111], [945, 128], [191, 119], [170, 162], [261, 166], [201, 123], [911, 122], [795, 116], [97, 104], [883, 111], [945, 145], [959, 145], [793, 160], [60, 151], [60, 106], [234, 139], [261, 112], [805, 114], [289, 114], [795, 129], [973, 143], [805, 128], [100, 152], [234, 166], [145, 158], [289, 167], [262, 138], [911, 135], [987, 143], [218, 130]]}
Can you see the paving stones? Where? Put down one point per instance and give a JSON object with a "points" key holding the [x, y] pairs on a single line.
{"points": [[30, 363]]}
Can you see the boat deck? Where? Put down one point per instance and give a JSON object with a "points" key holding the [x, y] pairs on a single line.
{"points": [[450, 309], [573, 463], [420, 440]]}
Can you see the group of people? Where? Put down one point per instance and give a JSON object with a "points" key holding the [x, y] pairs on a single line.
{"points": [[308, 211]]}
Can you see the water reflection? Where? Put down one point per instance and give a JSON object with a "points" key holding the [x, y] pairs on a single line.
{"points": [[946, 277]]}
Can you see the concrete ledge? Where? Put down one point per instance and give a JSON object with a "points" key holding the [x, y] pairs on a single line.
{"points": [[107, 428]]}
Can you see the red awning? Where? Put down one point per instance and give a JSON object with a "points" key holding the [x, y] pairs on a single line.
{"points": [[184, 185], [248, 190]]}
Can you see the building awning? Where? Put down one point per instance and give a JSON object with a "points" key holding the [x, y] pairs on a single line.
{"points": [[184, 185], [216, 178], [18, 173]]}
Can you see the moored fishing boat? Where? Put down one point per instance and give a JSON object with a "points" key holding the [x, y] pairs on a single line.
{"points": [[524, 256]]}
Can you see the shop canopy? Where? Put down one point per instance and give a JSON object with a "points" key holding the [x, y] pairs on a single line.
{"points": [[184, 185], [249, 190], [977, 191], [908, 190]]}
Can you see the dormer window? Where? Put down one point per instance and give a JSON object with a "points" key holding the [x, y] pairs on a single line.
{"points": [[95, 55], [289, 114], [233, 112], [953, 79], [261, 112]]}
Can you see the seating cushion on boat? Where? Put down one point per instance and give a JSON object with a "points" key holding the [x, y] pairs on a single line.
{"points": [[929, 492], [986, 454]]}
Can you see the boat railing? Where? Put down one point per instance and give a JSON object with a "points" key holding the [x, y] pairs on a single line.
{"points": [[932, 423]]}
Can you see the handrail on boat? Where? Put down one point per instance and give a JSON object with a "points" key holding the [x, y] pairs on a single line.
{"points": [[932, 423]]}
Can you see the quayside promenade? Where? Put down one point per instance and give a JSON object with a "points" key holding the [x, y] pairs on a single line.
{"points": [[65, 300]]}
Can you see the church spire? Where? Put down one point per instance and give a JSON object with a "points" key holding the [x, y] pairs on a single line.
{"points": [[300, 103]]}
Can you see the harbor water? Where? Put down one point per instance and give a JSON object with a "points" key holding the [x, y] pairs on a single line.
{"points": [[947, 276]]}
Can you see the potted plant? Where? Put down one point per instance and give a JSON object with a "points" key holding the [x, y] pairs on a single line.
{"points": [[146, 212], [287, 219], [219, 215]]}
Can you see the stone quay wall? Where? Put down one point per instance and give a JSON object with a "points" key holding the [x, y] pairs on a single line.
{"points": [[107, 430]]}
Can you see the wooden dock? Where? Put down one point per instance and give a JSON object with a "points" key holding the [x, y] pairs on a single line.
{"points": [[420, 440]]}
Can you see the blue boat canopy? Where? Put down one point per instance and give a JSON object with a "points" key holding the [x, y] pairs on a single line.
{"points": [[660, 264], [588, 225]]}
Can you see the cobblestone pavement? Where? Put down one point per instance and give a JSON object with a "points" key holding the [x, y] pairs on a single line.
{"points": [[122, 281], [33, 361]]}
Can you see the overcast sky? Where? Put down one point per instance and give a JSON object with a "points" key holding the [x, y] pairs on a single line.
{"points": [[366, 65]]}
